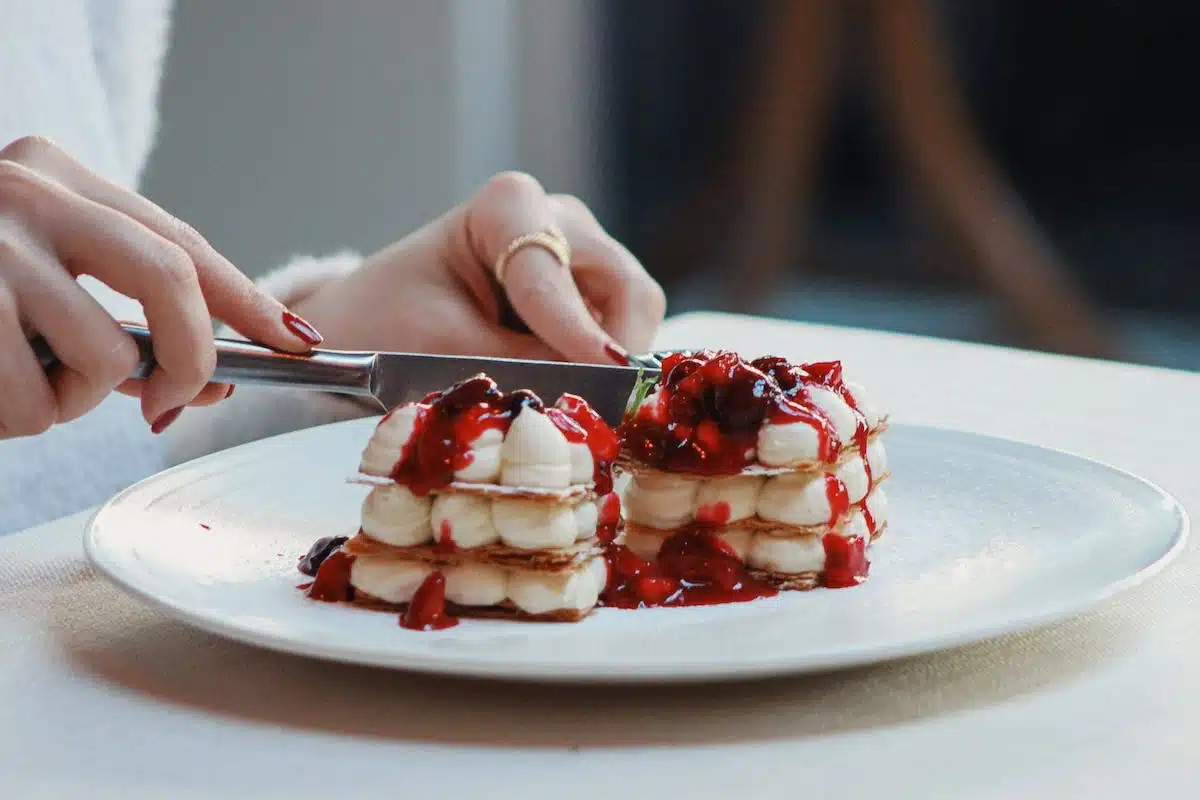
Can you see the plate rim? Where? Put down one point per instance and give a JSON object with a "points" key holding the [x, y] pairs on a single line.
{"points": [[631, 672]]}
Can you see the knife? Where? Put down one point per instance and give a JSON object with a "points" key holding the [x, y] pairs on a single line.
{"points": [[395, 378]]}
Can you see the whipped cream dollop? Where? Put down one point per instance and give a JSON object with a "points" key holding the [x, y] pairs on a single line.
{"points": [[484, 456], [535, 453], [545, 592], [787, 445], [795, 554], [587, 516], [394, 515], [793, 443], [728, 499], [791, 555], [661, 500], [463, 520], [582, 464], [386, 446], [388, 579], [531, 524], [484, 585], [801, 498], [476, 585]]}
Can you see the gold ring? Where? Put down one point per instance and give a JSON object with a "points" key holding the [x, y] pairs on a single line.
{"points": [[551, 240]]}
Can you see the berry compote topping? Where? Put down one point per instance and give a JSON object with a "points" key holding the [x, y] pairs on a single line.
{"points": [[693, 567], [869, 518], [708, 407], [580, 423], [445, 541], [608, 518], [846, 561], [427, 610], [448, 422], [332, 583], [838, 497]]}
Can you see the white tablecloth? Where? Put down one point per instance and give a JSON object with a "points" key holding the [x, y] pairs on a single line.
{"points": [[102, 697]]}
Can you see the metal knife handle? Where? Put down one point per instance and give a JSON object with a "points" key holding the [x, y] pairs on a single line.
{"points": [[248, 363]]}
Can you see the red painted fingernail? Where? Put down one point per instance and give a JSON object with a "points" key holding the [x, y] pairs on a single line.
{"points": [[302, 328], [165, 419], [617, 353], [229, 392]]}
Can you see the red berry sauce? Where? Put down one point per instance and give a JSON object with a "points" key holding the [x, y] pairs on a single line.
{"points": [[709, 406], [448, 422], [332, 582], [846, 561], [445, 540], [427, 610], [838, 497], [608, 518], [693, 568], [713, 514], [580, 423]]}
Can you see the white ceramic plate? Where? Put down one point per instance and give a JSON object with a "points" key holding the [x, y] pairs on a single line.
{"points": [[985, 537]]}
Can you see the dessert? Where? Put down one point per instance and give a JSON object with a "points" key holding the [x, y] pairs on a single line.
{"points": [[482, 503], [748, 477]]}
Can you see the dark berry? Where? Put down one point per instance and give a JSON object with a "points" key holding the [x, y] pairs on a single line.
{"points": [[470, 392], [744, 404], [322, 549], [681, 370], [524, 398]]}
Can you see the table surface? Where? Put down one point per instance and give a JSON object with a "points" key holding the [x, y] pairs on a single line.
{"points": [[100, 696]]}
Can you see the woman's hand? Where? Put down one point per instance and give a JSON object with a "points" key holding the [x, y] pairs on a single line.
{"points": [[435, 291], [58, 221]]}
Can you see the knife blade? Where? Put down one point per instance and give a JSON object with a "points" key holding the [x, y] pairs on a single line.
{"points": [[395, 378]]}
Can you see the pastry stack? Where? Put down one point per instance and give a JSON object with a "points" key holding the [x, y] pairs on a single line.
{"points": [[779, 463], [490, 500]]}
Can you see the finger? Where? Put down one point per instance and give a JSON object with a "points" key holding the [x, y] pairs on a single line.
{"points": [[540, 289], [93, 239], [95, 353], [613, 282], [27, 405], [211, 394], [230, 295]]}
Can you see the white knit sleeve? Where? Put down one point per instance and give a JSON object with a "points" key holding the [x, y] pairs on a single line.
{"points": [[257, 412], [129, 43]]}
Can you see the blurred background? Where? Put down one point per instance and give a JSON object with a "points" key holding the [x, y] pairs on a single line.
{"points": [[1007, 171]]}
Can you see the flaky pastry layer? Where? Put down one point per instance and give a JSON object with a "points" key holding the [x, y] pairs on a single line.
{"points": [[556, 560]]}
